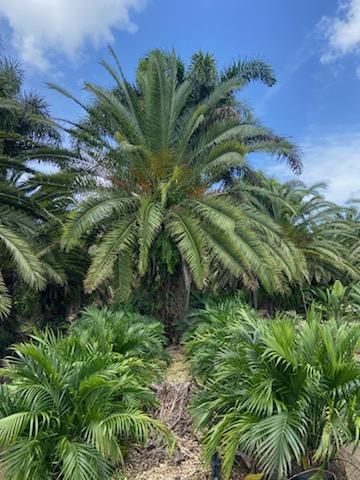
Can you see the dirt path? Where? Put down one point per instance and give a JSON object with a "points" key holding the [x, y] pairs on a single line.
{"points": [[185, 464]]}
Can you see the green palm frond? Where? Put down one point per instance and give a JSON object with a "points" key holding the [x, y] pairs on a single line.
{"points": [[27, 263], [188, 235], [5, 299], [118, 240], [150, 220], [91, 212]]}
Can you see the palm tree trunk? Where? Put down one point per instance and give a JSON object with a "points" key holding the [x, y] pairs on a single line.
{"points": [[176, 305], [165, 295], [187, 285]]}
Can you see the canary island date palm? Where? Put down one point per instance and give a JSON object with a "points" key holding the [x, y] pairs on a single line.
{"points": [[68, 410], [160, 197], [327, 234], [284, 392], [24, 124]]}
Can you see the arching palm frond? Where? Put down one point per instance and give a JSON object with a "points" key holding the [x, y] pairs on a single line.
{"points": [[325, 234]]}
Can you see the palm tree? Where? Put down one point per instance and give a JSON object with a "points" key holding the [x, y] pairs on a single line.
{"points": [[24, 117], [53, 194], [70, 410], [160, 208], [24, 125], [326, 234]]}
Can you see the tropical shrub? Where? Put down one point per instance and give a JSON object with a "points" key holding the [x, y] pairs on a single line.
{"points": [[338, 301], [284, 391], [125, 332], [69, 410], [208, 332]]}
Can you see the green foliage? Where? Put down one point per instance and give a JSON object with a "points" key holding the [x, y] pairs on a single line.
{"points": [[24, 124], [158, 158], [339, 302], [70, 409], [280, 390], [125, 332], [326, 234]]}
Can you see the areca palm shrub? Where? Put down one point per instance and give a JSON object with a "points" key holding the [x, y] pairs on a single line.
{"points": [[127, 333], [68, 411], [208, 332], [283, 391], [159, 211], [339, 302]]}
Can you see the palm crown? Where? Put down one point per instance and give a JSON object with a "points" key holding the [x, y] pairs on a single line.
{"points": [[323, 231]]}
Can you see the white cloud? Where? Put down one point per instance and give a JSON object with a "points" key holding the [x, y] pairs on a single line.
{"points": [[333, 158], [343, 31], [42, 29]]}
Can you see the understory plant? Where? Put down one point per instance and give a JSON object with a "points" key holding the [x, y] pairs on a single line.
{"points": [[69, 410], [338, 301], [127, 333], [284, 391]]}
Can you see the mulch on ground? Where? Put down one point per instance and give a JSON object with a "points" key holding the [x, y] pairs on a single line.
{"points": [[185, 463]]}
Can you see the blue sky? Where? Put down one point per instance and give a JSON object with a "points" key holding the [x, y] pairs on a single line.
{"points": [[314, 47]]}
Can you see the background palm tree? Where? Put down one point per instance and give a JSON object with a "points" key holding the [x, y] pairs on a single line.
{"points": [[24, 117], [24, 125], [326, 234]]}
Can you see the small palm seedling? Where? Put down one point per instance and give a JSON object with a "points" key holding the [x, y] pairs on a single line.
{"points": [[69, 411]]}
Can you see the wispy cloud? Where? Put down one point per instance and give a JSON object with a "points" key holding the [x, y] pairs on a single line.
{"points": [[43, 29], [298, 58], [334, 158], [342, 31]]}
